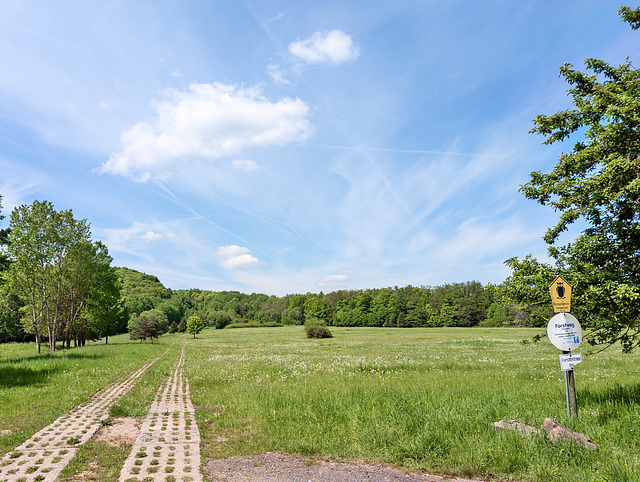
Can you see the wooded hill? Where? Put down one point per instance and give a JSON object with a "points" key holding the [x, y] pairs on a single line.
{"points": [[457, 304]]}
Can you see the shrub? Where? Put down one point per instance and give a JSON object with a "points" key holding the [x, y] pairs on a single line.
{"points": [[220, 319], [316, 328]]}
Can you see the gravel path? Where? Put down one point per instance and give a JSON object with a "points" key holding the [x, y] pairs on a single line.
{"points": [[43, 456], [168, 446], [278, 467]]}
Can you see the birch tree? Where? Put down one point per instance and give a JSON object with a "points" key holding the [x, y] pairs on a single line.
{"points": [[39, 244]]}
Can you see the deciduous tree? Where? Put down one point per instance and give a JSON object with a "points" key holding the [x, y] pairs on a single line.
{"points": [[194, 325], [39, 244]]}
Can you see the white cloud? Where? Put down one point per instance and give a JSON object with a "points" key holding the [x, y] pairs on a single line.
{"points": [[232, 250], [245, 165], [475, 239], [135, 238], [336, 277], [333, 47], [207, 122], [277, 74], [333, 279], [236, 257], [151, 236]]}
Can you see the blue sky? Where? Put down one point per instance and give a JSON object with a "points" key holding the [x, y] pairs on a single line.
{"points": [[284, 147]]}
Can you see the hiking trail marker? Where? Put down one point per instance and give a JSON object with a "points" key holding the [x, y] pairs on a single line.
{"points": [[565, 333], [560, 295]]}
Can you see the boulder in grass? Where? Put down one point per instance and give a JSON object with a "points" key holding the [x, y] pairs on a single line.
{"points": [[514, 425], [559, 433]]}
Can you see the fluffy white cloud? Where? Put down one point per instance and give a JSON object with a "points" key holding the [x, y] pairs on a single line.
{"points": [[207, 122], [245, 165], [236, 257], [334, 47]]}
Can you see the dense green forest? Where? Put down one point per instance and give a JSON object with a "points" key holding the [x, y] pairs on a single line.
{"points": [[457, 304]]}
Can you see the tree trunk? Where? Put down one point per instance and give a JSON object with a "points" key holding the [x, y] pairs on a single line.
{"points": [[52, 342]]}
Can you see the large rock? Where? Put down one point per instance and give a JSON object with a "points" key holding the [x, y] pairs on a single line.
{"points": [[559, 433], [514, 425]]}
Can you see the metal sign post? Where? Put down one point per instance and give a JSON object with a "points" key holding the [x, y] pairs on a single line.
{"points": [[566, 389]]}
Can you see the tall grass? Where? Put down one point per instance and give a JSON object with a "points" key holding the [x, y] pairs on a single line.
{"points": [[421, 398]]}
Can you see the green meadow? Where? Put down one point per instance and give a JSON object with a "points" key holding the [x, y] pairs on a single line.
{"points": [[420, 398]]}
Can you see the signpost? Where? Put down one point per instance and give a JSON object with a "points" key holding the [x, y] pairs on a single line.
{"points": [[560, 295], [567, 362], [565, 333]]}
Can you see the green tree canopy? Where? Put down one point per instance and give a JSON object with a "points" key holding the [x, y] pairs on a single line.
{"points": [[105, 310], [141, 292], [145, 326], [41, 241], [194, 325]]}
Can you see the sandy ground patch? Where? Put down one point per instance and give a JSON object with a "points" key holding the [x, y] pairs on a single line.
{"points": [[123, 430]]}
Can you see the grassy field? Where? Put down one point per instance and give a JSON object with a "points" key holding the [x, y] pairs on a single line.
{"points": [[421, 398]]}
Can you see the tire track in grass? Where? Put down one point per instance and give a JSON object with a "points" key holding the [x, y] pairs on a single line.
{"points": [[168, 446], [42, 457]]}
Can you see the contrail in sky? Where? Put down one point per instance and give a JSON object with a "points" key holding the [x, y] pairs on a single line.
{"points": [[173, 198]]}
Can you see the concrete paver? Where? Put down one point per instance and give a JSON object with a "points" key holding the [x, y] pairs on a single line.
{"points": [[168, 446]]}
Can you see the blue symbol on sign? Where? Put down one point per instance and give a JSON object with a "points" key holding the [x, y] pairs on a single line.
{"points": [[576, 339]]}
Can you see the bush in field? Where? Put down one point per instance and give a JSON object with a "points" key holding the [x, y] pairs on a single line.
{"points": [[316, 328], [145, 326], [220, 319]]}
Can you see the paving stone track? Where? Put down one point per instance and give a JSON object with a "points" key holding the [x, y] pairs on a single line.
{"points": [[45, 454], [168, 446]]}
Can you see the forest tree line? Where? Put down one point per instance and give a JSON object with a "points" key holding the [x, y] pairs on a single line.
{"points": [[458, 304]]}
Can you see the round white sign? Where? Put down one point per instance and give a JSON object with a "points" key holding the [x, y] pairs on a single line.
{"points": [[564, 331]]}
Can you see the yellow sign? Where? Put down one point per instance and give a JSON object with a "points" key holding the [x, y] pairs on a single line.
{"points": [[560, 295]]}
